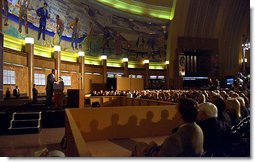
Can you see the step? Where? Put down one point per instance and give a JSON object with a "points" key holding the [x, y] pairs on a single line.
{"points": [[26, 115], [23, 130], [25, 123]]}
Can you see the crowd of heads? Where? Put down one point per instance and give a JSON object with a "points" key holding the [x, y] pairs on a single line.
{"points": [[217, 111]]}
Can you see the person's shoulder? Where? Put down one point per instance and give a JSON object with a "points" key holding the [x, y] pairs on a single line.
{"points": [[188, 127]]}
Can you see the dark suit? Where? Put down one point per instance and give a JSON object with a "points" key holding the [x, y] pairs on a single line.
{"points": [[216, 136], [49, 89], [35, 95], [16, 93]]}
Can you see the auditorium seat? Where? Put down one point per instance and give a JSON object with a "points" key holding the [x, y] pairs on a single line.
{"points": [[95, 104]]}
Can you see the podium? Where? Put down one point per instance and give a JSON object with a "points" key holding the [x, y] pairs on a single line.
{"points": [[75, 98], [58, 94]]}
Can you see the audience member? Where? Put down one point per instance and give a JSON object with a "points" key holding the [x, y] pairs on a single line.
{"points": [[187, 141], [35, 94], [8, 93], [16, 92], [244, 110], [234, 110], [223, 116], [215, 135]]}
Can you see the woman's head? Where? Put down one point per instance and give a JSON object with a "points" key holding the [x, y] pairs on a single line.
{"points": [[233, 106], [207, 110]]}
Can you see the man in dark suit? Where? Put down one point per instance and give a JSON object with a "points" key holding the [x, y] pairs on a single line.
{"points": [[49, 87], [35, 94], [16, 92]]}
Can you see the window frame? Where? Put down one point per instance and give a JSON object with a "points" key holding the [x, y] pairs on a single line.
{"points": [[39, 80], [66, 83], [10, 79]]}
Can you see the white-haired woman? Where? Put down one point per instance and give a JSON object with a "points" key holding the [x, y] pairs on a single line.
{"points": [[215, 134], [234, 110]]}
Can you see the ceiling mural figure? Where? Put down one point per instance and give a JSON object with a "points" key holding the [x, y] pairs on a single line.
{"points": [[99, 29]]}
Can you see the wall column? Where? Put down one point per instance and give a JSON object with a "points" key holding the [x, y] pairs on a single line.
{"points": [[82, 70], [29, 49], [125, 66], [57, 57], [167, 75], [1, 55], [146, 74], [175, 30], [104, 64]]}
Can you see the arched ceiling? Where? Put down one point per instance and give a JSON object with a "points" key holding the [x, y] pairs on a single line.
{"points": [[165, 3], [101, 15], [163, 9], [224, 20]]}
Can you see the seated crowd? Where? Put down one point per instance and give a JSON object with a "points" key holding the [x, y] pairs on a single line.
{"points": [[218, 120]]}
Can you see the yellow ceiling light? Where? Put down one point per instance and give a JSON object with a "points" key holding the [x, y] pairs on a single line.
{"points": [[142, 9]]}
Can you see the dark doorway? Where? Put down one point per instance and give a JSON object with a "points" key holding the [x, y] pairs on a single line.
{"points": [[111, 84]]}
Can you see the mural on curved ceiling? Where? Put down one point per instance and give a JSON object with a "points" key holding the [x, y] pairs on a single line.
{"points": [[101, 31]]}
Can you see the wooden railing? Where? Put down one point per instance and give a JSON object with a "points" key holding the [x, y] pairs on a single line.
{"points": [[87, 125], [75, 144], [110, 101]]}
